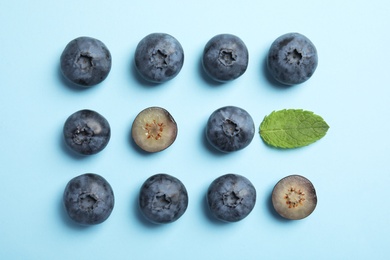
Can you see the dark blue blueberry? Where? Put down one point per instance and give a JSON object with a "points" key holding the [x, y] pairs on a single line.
{"points": [[231, 197], [86, 132], [225, 57], [292, 59], [85, 61], [230, 129], [163, 199], [88, 199], [159, 57]]}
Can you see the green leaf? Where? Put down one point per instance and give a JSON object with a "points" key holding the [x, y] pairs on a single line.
{"points": [[292, 128]]}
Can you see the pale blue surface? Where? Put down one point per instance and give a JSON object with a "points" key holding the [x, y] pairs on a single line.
{"points": [[349, 166]]}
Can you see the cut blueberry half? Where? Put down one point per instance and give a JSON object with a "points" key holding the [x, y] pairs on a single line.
{"points": [[231, 197], [292, 59], [230, 129], [163, 199], [294, 197], [159, 57], [85, 61], [225, 57], [88, 199], [86, 132], [154, 129]]}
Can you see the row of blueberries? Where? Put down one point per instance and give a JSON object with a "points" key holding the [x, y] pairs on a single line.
{"points": [[228, 129], [89, 198], [159, 57]]}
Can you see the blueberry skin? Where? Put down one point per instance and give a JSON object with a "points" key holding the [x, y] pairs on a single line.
{"points": [[85, 61], [225, 57], [230, 129], [292, 59], [231, 197], [159, 57], [163, 199], [86, 132], [88, 199]]}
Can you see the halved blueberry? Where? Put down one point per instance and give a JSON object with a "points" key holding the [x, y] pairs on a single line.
{"points": [[294, 197], [154, 129]]}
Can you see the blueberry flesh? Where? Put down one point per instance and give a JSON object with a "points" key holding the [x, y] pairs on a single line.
{"points": [[294, 197], [154, 129], [163, 199], [231, 197], [86, 132], [225, 57], [159, 57], [292, 59], [85, 61], [88, 199], [230, 129]]}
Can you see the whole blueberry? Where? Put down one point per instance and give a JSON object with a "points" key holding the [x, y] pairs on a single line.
{"points": [[292, 59], [231, 197], [163, 199], [88, 199], [159, 57], [230, 129], [86, 132], [225, 57], [85, 61]]}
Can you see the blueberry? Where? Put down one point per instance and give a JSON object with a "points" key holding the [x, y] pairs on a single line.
{"points": [[163, 199], [159, 57], [225, 57], [85, 61], [230, 129], [88, 199], [154, 129], [294, 197], [231, 197], [86, 132], [292, 59]]}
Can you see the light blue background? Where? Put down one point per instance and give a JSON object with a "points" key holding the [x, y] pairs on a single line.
{"points": [[349, 166]]}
